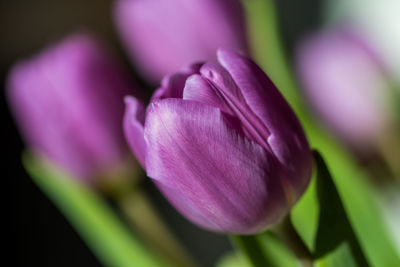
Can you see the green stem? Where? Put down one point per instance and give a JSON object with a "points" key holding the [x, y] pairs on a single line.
{"points": [[144, 218], [288, 234], [388, 147], [123, 185], [251, 248], [267, 49]]}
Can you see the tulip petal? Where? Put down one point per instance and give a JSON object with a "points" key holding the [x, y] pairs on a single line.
{"points": [[163, 35], [198, 89], [133, 127], [345, 83], [223, 83], [215, 176], [65, 108], [172, 85], [216, 74], [287, 139]]}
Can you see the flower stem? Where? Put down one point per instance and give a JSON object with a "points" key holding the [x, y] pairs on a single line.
{"points": [[143, 217], [251, 248], [268, 50], [123, 185], [388, 146], [288, 234]]}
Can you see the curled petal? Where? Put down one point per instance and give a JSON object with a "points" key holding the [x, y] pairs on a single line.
{"points": [[225, 86], [133, 127], [215, 176], [199, 89], [287, 139], [172, 85]]}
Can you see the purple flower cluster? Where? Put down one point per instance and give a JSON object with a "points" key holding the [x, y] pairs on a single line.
{"points": [[217, 137]]}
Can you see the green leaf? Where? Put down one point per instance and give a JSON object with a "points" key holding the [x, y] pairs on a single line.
{"points": [[232, 259], [359, 200], [279, 253], [264, 249], [96, 223], [334, 229], [267, 48], [252, 250], [305, 214]]}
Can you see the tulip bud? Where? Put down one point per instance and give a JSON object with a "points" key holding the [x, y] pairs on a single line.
{"points": [[162, 36], [379, 21], [68, 103], [224, 146], [345, 83]]}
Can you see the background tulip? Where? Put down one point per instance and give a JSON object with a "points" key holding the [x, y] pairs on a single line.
{"points": [[68, 102], [345, 82], [378, 20], [162, 36], [224, 146]]}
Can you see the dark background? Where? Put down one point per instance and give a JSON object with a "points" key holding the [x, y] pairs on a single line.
{"points": [[36, 233]]}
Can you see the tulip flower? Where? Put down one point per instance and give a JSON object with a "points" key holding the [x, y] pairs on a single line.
{"points": [[345, 83], [379, 21], [162, 36], [223, 145], [68, 103]]}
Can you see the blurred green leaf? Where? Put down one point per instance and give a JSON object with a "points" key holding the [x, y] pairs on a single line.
{"points": [[280, 255], [250, 247], [340, 256], [334, 229], [232, 259], [264, 249], [267, 48], [305, 214], [108, 238]]}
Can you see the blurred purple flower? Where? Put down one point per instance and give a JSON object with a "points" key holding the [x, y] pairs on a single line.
{"points": [[68, 103], [345, 83], [223, 145], [162, 36]]}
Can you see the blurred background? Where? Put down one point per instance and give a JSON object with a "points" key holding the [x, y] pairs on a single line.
{"points": [[37, 234]]}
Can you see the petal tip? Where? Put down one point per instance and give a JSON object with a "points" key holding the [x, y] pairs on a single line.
{"points": [[154, 105], [223, 53], [128, 100]]}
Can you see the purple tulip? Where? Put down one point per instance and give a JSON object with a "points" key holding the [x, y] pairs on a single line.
{"points": [[223, 145], [162, 36], [345, 83], [68, 102]]}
